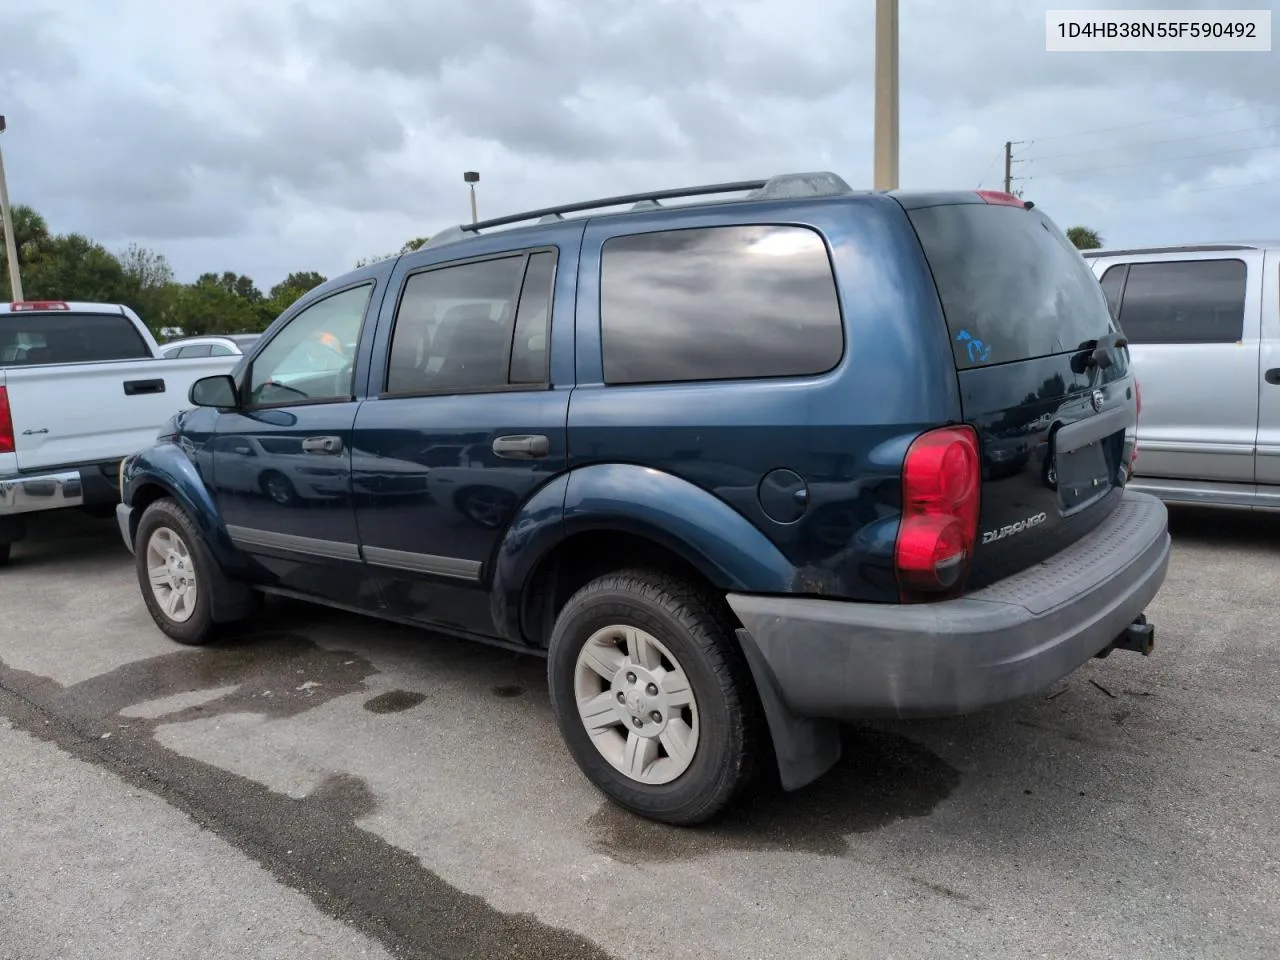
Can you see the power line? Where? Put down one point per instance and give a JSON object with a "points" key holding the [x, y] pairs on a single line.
{"points": [[1147, 143], [1144, 163], [1143, 123], [994, 161]]}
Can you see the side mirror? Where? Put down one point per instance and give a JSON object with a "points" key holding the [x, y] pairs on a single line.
{"points": [[218, 391]]}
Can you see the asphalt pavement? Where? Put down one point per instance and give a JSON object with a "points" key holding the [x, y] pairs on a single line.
{"points": [[320, 785]]}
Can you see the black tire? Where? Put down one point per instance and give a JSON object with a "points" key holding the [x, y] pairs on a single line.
{"points": [[6, 549], [200, 627], [692, 622]]}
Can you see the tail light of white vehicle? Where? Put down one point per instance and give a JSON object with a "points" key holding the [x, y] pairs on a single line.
{"points": [[941, 484], [7, 444]]}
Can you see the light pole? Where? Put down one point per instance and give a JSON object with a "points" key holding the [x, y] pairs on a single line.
{"points": [[886, 146], [472, 178], [10, 241]]}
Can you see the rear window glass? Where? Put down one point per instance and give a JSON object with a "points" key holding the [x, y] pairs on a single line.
{"points": [[28, 339], [1012, 286]]}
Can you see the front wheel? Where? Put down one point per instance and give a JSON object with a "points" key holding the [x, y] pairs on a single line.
{"points": [[653, 697], [175, 573]]}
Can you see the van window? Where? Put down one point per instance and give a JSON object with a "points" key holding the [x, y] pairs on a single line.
{"points": [[1011, 284], [1184, 301], [718, 303], [29, 339]]}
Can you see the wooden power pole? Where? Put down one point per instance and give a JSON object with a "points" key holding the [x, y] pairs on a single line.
{"points": [[886, 134]]}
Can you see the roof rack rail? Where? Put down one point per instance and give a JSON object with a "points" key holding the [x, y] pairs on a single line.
{"points": [[784, 186]]}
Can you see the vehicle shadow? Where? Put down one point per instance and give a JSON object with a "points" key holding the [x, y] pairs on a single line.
{"points": [[61, 538], [1235, 527]]}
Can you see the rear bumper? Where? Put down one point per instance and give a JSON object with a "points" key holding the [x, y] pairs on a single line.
{"points": [[83, 486], [841, 660]]}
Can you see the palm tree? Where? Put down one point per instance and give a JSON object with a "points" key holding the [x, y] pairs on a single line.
{"points": [[1084, 238]]}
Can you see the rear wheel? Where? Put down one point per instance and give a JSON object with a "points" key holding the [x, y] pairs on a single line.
{"points": [[653, 697], [175, 571]]}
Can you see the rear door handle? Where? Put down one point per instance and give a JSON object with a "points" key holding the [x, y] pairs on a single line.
{"points": [[326, 445], [133, 388], [522, 448], [1272, 375]]}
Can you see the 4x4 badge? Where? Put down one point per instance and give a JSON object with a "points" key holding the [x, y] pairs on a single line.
{"points": [[1097, 400]]}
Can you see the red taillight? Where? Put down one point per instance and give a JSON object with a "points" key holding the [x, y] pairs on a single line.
{"points": [[941, 480], [999, 196], [22, 306], [1137, 395], [6, 423]]}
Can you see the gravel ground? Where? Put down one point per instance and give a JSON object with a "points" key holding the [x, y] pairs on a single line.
{"points": [[325, 786]]}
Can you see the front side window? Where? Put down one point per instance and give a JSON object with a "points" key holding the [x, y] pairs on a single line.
{"points": [[718, 303], [455, 326], [1189, 301], [312, 358]]}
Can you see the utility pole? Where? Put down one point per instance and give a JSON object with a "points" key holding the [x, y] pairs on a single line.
{"points": [[10, 241], [886, 134], [471, 177], [1008, 164]]}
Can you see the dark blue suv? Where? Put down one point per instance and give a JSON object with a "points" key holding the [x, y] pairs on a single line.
{"points": [[740, 467]]}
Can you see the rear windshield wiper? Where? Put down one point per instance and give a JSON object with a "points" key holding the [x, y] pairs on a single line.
{"points": [[1097, 353]]}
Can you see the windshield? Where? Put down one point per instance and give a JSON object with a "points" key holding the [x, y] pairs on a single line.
{"points": [[1012, 286]]}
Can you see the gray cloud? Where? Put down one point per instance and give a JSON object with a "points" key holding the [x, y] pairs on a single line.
{"points": [[267, 138]]}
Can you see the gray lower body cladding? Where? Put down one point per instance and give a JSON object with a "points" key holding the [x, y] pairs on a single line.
{"points": [[838, 660]]}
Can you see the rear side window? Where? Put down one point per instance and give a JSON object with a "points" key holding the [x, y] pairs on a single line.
{"points": [[718, 303], [1189, 301], [200, 350], [1011, 284], [28, 339]]}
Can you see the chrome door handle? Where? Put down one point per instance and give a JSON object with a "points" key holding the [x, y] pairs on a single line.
{"points": [[522, 448], [325, 445]]}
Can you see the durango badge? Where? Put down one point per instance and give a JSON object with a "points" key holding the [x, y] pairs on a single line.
{"points": [[1009, 529]]}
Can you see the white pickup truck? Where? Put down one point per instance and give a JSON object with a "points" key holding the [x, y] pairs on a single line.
{"points": [[82, 385]]}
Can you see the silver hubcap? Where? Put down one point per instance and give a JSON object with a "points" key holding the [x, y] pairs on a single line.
{"points": [[636, 703], [172, 574]]}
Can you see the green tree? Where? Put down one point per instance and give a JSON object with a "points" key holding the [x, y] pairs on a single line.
{"points": [[70, 266], [149, 287], [32, 235], [207, 307], [288, 290], [1084, 238]]}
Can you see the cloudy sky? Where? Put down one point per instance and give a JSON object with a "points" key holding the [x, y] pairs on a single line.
{"points": [[265, 137]]}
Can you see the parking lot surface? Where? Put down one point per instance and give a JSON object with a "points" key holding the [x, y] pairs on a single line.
{"points": [[320, 785]]}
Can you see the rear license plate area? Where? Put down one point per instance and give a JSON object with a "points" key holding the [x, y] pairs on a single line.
{"points": [[1081, 476]]}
